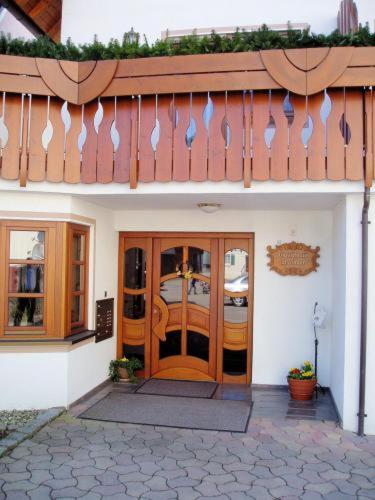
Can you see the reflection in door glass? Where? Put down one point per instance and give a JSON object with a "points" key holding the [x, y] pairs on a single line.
{"points": [[234, 362], [199, 261], [236, 268], [134, 306], [135, 268], [171, 290], [197, 345], [171, 346], [199, 293], [235, 309], [171, 260]]}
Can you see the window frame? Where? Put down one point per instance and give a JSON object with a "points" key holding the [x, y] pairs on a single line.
{"points": [[79, 326], [49, 293]]}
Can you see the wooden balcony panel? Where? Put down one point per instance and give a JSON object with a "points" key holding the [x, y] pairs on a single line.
{"points": [[235, 151], [216, 141], [122, 154], [105, 158], [90, 146], [354, 149], [181, 154], [316, 164], [279, 146], [164, 148], [335, 139], [297, 151]]}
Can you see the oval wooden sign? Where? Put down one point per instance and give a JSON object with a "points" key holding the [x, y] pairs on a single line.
{"points": [[293, 259]]}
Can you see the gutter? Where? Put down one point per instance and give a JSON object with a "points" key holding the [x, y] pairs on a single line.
{"points": [[23, 18], [364, 299]]}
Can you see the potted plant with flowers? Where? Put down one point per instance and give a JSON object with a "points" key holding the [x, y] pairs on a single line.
{"points": [[302, 382], [123, 369]]}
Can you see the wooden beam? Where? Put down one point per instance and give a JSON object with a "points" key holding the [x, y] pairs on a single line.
{"points": [[38, 8]]}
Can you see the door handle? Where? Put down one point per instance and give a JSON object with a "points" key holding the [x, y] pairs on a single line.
{"points": [[159, 328]]}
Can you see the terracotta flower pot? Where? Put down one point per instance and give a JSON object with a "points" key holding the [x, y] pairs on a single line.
{"points": [[123, 373], [301, 390]]}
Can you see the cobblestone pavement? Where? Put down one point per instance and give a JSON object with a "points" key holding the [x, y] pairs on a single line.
{"points": [[71, 458]]}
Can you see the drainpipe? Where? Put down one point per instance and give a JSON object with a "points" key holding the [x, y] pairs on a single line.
{"points": [[362, 367]]}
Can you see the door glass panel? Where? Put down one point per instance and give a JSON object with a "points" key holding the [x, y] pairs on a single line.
{"points": [[78, 248], [23, 311], [199, 293], [171, 346], [236, 267], [134, 306], [171, 260], [197, 345], [77, 309], [25, 278], [235, 309], [27, 245], [234, 362], [199, 261], [171, 290], [78, 278], [135, 268]]}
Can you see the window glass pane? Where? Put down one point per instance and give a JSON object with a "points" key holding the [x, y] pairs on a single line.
{"points": [[171, 290], [199, 261], [27, 245], [135, 268], [236, 271], [25, 311], [197, 345], [199, 293], [78, 283], [235, 309], [171, 346], [26, 278], [77, 309], [171, 260], [78, 247], [234, 362], [134, 306]]}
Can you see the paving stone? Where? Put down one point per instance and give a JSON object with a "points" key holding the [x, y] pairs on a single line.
{"points": [[285, 492], [68, 492], [40, 493], [207, 489], [157, 483], [259, 492], [136, 489], [40, 476], [133, 476], [182, 481], [159, 495], [109, 490], [334, 474], [322, 488], [232, 487], [85, 483]]}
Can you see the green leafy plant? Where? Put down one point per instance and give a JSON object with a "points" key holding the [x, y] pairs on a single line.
{"points": [[131, 365], [306, 372], [132, 46]]}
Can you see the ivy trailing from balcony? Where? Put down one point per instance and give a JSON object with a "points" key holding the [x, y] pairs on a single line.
{"points": [[133, 47]]}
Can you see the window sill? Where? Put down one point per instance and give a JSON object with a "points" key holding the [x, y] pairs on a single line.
{"points": [[72, 339]]}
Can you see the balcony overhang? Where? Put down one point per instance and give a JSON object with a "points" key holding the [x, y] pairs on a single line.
{"points": [[129, 120]]}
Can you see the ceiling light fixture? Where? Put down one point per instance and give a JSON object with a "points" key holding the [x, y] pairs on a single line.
{"points": [[209, 208]]}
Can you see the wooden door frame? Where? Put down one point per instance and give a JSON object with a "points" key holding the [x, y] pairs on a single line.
{"points": [[189, 234]]}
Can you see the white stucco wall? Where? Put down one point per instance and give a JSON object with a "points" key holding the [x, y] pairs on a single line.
{"points": [[86, 18], [283, 334], [61, 375], [337, 368]]}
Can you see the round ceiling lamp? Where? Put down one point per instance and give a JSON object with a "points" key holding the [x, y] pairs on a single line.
{"points": [[209, 208]]}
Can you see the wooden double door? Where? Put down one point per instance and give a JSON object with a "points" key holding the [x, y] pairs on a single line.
{"points": [[185, 304]]}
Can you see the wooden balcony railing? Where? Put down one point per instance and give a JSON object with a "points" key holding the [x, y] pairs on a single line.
{"points": [[85, 127]]}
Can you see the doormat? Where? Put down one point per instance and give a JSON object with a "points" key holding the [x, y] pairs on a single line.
{"points": [[181, 388], [165, 411]]}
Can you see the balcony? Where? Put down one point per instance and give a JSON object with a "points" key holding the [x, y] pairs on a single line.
{"points": [[300, 114]]}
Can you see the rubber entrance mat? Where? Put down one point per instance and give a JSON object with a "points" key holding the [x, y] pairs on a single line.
{"points": [[166, 411], [181, 388]]}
